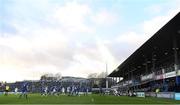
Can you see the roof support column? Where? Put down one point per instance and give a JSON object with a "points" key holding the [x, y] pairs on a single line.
{"points": [[146, 64], [123, 77], [133, 84], [153, 62], [175, 48], [128, 76], [113, 80], [116, 79]]}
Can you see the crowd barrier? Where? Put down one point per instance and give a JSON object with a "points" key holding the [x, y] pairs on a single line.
{"points": [[177, 96], [165, 95], [140, 94], [1, 93], [80, 93], [150, 94], [169, 95]]}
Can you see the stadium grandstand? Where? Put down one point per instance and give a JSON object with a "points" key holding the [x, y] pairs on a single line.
{"points": [[154, 68]]}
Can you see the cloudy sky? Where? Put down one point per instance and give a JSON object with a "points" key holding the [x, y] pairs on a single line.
{"points": [[74, 37]]}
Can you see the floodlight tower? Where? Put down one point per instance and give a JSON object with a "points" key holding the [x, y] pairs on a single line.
{"points": [[106, 76]]}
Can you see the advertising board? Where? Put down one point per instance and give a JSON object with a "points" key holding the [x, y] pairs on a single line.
{"points": [[147, 77], [170, 74], [140, 94], [177, 96], [159, 77], [165, 95]]}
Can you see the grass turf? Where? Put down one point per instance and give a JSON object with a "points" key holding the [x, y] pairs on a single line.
{"points": [[90, 99]]}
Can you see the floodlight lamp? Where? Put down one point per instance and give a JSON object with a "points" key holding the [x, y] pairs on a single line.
{"points": [[178, 31], [148, 61]]}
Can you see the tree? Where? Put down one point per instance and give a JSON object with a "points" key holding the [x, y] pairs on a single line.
{"points": [[51, 77], [93, 75], [102, 75], [58, 76], [99, 80]]}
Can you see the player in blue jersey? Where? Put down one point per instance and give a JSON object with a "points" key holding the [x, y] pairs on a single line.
{"points": [[24, 91]]}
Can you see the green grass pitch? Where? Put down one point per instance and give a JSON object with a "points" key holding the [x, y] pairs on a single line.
{"points": [[90, 99]]}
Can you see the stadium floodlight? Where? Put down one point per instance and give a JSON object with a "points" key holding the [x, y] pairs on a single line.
{"points": [[154, 59], [175, 48], [166, 53], [148, 61], [178, 31], [135, 68]]}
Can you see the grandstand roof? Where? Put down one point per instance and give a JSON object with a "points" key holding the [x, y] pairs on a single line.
{"points": [[159, 45]]}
